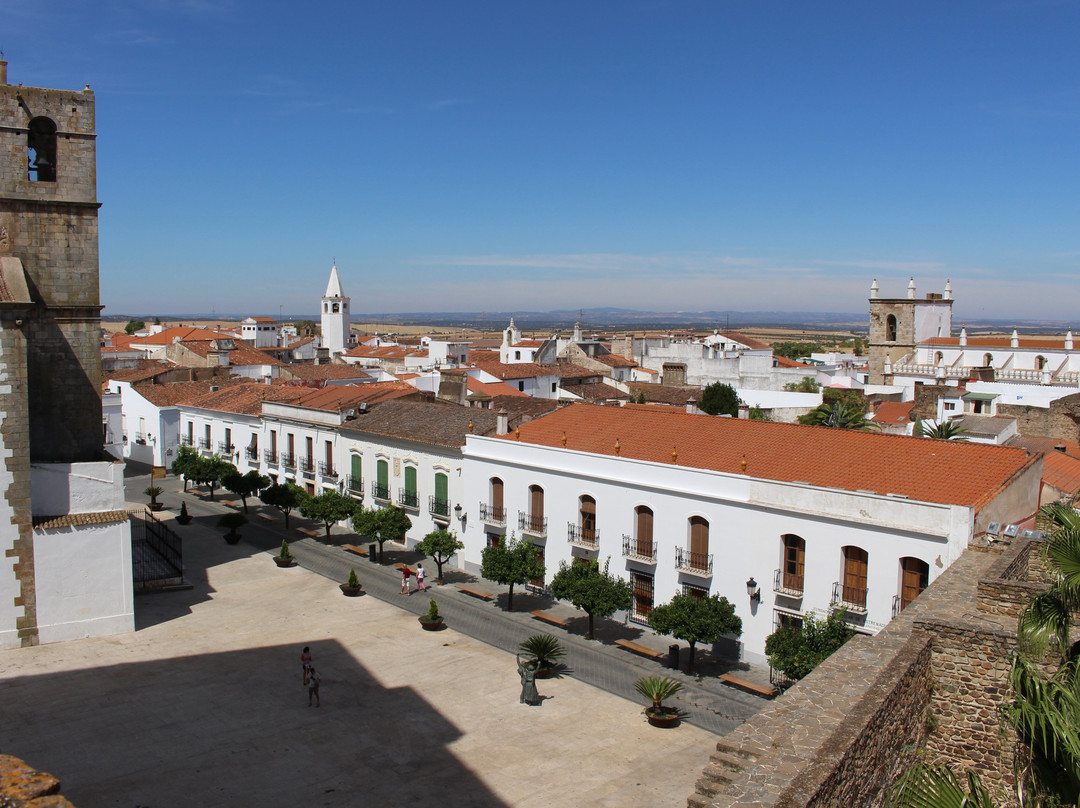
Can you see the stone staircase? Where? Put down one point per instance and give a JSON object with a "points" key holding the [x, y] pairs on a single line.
{"points": [[725, 764]]}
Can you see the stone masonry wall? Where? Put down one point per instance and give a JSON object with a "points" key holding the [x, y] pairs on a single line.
{"points": [[1060, 422], [22, 786]]}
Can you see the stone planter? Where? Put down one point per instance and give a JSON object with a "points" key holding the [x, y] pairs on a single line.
{"points": [[430, 625], [183, 520], [232, 538], [663, 717], [284, 562], [349, 591]]}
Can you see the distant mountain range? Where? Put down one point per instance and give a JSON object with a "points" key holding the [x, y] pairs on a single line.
{"points": [[609, 318]]}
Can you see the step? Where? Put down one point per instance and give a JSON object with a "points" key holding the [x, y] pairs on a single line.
{"points": [[731, 763]]}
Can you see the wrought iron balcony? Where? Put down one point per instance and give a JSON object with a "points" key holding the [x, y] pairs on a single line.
{"points": [[140, 437], [380, 492], [492, 515], [251, 453], [225, 448], [852, 598], [787, 583], [288, 460], [697, 563], [187, 440], [407, 498], [327, 470], [439, 508], [204, 443], [536, 525], [307, 466], [270, 457], [354, 485], [638, 550], [580, 536]]}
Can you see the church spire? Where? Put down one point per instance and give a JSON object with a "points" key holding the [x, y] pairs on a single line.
{"points": [[333, 288]]}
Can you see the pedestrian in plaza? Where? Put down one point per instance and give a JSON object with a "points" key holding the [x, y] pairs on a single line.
{"points": [[420, 586], [305, 662], [405, 573], [313, 687]]}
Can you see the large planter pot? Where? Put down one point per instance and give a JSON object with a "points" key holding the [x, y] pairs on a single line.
{"points": [[284, 562], [156, 506], [544, 673], [664, 718], [183, 520], [430, 625], [349, 591], [232, 538]]}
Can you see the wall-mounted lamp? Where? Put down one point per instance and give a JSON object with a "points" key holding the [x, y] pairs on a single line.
{"points": [[457, 510], [753, 590]]}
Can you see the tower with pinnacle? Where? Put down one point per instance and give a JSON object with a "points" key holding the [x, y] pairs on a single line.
{"points": [[336, 335]]}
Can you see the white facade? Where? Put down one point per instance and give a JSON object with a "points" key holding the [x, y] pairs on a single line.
{"points": [[747, 519], [259, 332], [719, 359], [149, 433], [336, 334]]}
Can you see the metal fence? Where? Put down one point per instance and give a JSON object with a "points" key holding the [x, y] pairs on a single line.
{"points": [[157, 556]]}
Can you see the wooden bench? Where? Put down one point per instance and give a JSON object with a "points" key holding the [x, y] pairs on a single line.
{"points": [[640, 649], [314, 534], [476, 593], [266, 516], [550, 618], [352, 548], [762, 690]]}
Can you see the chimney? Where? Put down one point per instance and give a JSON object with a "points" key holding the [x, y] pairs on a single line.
{"points": [[691, 407], [3, 71], [744, 412], [502, 422]]}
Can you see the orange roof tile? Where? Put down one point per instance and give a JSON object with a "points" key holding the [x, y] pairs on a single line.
{"points": [[615, 361], [893, 412], [1045, 343], [494, 388], [749, 342], [1062, 472], [948, 472], [489, 361], [784, 362], [246, 399], [349, 396], [170, 335], [175, 393], [240, 354]]}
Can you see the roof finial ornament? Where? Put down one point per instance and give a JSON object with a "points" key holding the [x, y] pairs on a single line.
{"points": [[948, 289], [674, 456], [564, 439], [618, 447], [911, 289], [874, 290], [470, 427], [743, 464], [517, 433]]}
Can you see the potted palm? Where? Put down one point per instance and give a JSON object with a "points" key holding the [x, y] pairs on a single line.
{"points": [[284, 558], [154, 492], [432, 621], [232, 522], [184, 518], [546, 650], [656, 689], [351, 588]]}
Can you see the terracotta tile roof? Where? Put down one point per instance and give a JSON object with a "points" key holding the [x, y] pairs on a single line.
{"points": [[529, 343], [146, 369], [263, 319], [1061, 471], [246, 399], [568, 370], [493, 389], [489, 361], [948, 472], [175, 393], [389, 352], [436, 422], [350, 396], [595, 391], [1046, 343], [170, 335], [310, 373], [893, 412], [749, 342], [240, 354], [615, 361], [118, 339], [784, 362], [524, 407], [1045, 444], [663, 394], [79, 519]]}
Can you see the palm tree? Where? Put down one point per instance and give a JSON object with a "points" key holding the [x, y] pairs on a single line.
{"points": [[1046, 619], [842, 414], [924, 786], [945, 430]]}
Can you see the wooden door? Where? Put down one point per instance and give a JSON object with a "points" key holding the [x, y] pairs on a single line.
{"points": [[855, 564]]}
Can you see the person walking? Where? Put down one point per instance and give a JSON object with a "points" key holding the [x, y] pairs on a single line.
{"points": [[313, 687], [305, 662], [420, 586], [405, 573]]}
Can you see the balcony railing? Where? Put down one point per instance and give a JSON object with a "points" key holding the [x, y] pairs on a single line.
{"points": [[787, 583], [897, 605], [187, 440], [288, 460], [307, 466], [380, 492], [140, 437], [251, 453], [580, 536], [354, 485], [639, 550], [536, 525], [270, 457], [407, 498], [492, 515], [439, 507], [225, 448], [327, 470], [697, 563], [204, 443], [852, 598]]}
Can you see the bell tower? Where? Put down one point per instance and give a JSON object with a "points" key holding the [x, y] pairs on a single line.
{"points": [[335, 316]]}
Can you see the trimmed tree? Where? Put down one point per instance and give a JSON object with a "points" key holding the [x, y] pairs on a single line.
{"points": [[720, 399], [232, 522], [209, 471], [381, 524], [439, 546], [329, 507], [284, 496], [133, 326], [244, 485], [512, 561], [797, 651], [696, 620], [186, 458], [594, 591]]}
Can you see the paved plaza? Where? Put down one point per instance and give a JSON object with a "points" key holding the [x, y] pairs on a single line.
{"points": [[204, 705]]}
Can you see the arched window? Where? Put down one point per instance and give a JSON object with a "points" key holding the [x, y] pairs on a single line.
{"points": [[890, 328], [409, 494], [988, 360], [914, 577], [856, 562], [517, 354], [382, 480], [335, 308], [939, 357], [534, 521], [41, 150], [644, 531], [699, 542], [1040, 362], [496, 500], [587, 511], [441, 506], [793, 563]]}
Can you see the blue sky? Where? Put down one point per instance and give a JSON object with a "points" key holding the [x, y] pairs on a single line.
{"points": [[660, 154]]}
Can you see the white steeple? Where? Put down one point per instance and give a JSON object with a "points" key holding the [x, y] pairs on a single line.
{"points": [[911, 289], [1014, 340], [1069, 341], [874, 290], [948, 290], [336, 334], [963, 336]]}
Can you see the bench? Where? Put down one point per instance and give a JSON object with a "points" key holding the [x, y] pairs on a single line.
{"points": [[550, 618], [640, 649], [762, 690], [352, 548], [476, 593], [314, 534], [265, 516]]}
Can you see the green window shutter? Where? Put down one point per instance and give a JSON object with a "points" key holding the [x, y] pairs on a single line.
{"points": [[357, 467], [382, 474], [410, 480], [440, 487]]}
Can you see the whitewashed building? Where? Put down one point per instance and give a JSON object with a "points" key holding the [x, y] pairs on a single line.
{"points": [[809, 518]]}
